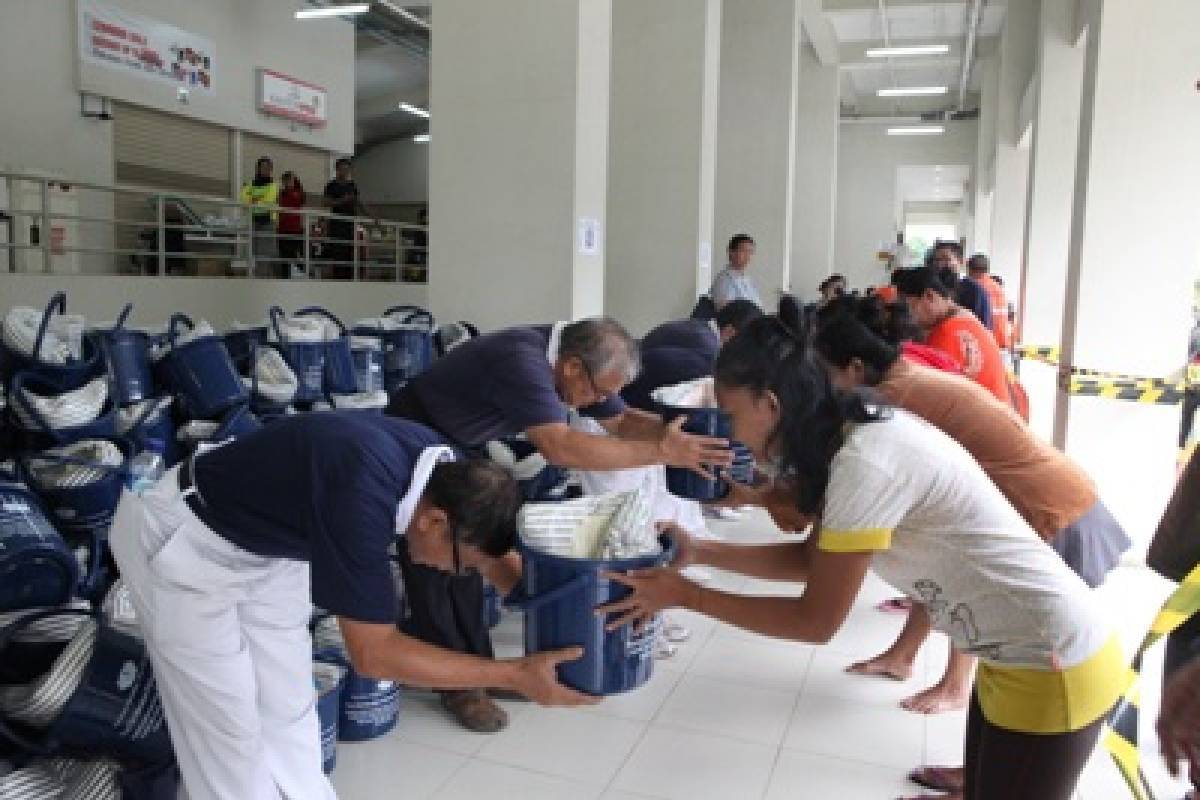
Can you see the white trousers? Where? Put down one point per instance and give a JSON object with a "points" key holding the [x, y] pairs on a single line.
{"points": [[227, 634]]}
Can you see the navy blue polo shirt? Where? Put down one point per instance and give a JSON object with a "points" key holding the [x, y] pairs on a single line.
{"points": [[497, 385], [322, 488], [672, 353]]}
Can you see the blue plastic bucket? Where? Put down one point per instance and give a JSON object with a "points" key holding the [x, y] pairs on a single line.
{"points": [[114, 712], [559, 612], [79, 510], [36, 568], [71, 375], [307, 360], [368, 368], [127, 357], [154, 431], [200, 373], [340, 377], [329, 704], [369, 708], [41, 433], [704, 422], [408, 351]]}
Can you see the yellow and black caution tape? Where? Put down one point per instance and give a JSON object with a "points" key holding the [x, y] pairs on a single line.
{"points": [[1121, 741], [1146, 392]]}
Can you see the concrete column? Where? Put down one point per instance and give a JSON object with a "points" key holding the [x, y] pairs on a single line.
{"points": [[756, 134], [1058, 85], [1134, 242], [815, 198], [662, 158], [518, 166], [1017, 49], [984, 181]]}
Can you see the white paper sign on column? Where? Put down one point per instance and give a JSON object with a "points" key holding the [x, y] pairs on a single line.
{"points": [[589, 236]]}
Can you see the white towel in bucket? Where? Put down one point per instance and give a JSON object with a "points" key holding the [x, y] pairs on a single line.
{"points": [[275, 379], [361, 400], [199, 331], [63, 340], [130, 415], [62, 779], [197, 430], [699, 393], [56, 629], [39, 703], [391, 323], [306, 329], [52, 474], [618, 525], [67, 410]]}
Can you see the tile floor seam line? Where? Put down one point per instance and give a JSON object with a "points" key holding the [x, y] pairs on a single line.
{"points": [[858, 761], [453, 774], [779, 748], [578, 781]]}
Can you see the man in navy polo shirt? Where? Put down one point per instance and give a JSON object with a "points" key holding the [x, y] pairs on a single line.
{"points": [[219, 557], [684, 350], [526, 380]]}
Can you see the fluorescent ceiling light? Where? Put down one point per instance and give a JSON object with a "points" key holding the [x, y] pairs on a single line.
{"points": [[421, 138], [915, 50], [333, 11], [925, 130], [912, 91], [410, 108]]}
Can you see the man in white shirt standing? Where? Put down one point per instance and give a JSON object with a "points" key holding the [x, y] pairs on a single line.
{"points": [[732, 283]]}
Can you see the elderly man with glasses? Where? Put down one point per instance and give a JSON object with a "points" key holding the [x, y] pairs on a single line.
{"points": [[526, 380]]}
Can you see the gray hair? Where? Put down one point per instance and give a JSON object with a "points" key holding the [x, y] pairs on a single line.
{"points": [[603, 345]]}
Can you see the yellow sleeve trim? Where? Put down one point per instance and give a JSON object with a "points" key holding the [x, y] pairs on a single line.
{"points": [[860, 540]]}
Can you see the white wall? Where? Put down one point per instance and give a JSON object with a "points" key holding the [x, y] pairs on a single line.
{"points": [[396, 171], [815, 205], [866, 194], [246, 35], [221, 301]]}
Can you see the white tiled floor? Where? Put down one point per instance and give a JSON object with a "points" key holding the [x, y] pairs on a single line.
{"points": [[733, 715]]}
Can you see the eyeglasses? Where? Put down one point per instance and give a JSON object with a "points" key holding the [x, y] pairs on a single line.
{"points": [[601, 396]]}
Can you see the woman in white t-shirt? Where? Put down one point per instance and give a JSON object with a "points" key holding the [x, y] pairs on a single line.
{"points": [[895, 495]]}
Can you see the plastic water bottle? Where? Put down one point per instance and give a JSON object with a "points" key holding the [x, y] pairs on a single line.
{"points": [[145, 469]]}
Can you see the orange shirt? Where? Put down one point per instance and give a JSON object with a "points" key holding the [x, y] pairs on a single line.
{"points": [[962, 337], [1000, 326]]}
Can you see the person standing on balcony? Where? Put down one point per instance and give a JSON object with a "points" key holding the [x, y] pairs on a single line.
{"points": [[261, 193], [291, 226], [341, 197]]}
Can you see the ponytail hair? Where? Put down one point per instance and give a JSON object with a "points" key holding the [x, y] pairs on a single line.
{"points": [[773, 354]]}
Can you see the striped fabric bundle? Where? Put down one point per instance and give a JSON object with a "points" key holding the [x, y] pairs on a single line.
{"points": [[307, 329], [62, 343], [48, 473], [52, 630], [361, 400], [39, 704], [390, 323], [273, 379], [198, 430], [62, 779], [148, 410], [68, 410]]}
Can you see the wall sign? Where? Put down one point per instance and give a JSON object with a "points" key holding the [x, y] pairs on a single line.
{"points": [[135, 45], [284, 96]]}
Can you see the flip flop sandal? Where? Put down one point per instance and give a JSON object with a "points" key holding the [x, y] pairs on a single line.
{"points": [[939, 779], [895, 605]]}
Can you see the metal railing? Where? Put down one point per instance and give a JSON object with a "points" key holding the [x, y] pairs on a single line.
{"points": [[56, 226]]}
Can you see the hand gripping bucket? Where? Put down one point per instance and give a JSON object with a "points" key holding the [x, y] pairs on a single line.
{"points": [[73, 424], [340, 377], [200, 373], [683, 482], [127, 357], [370, 707], [74, 373], [407, 347], [328, 680], [307, 360], [98, 700], [36, 568], [562, 593]]}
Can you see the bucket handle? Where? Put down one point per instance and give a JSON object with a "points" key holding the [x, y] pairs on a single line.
{"points": [[120, 323], [172, 327], [276, 313], [317, 311], [576, 584], [5, 635], [58, 303]]}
